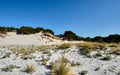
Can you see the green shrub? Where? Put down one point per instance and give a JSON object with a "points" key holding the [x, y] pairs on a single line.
{"points": [[39, 29], [74, 64], [84, 51], [6, 55], [49, 31], [44, 61], [84, 72], [97, 68], [107, 58], [69, 35], [9, 68], [64, 46], [98, 54], [26, 30], [3, 30], [117, 52]]}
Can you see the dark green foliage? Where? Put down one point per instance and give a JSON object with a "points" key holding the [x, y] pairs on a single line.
{"points": [[84, 72], [106, 58], [26, 30], [9, 68], [49, 31], [10, 29], [84, 51], [97, 39], [69, 35], [87, 39], [3, 30], [112, 38], [39, 29], [6, 55]]}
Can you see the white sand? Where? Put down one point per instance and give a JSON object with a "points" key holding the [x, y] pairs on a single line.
{"points": [[111, 67], [34, 39]]}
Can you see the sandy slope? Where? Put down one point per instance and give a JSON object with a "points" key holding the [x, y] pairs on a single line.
{"points": [[111, 67], [34, 39]]}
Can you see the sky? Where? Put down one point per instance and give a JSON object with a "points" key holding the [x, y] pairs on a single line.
{"points": [[86, 18]]}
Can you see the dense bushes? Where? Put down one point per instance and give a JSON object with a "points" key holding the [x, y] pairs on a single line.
{"points": [[114, 38], [10, 29], [49, 31], [24, 30], [3, 30], [39, 29], [68, 35]]}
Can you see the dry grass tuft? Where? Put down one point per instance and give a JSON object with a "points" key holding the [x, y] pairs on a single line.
{"points": [[62, 67], [64, 46], [30, 68], [112, 45], [91, 45]]}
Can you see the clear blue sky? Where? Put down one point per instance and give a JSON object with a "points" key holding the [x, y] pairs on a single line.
{"points": [[84, 17]]}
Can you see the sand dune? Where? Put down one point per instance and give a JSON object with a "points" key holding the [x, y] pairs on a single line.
{"points": [[14, 50], [12, 38]]}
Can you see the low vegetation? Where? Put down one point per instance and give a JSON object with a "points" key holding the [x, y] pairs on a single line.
{"points": [[64, 46], [7, 55], [9, 68], [67, 35], [30, 68], [84, 51], [107, 58], [62, 68], [84, 72]]}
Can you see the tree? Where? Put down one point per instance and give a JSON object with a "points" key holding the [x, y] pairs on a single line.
{"points": [[87, 39], [3, 30], [112, 38], [97, 39], [39, 29], [49, 31], [69, 35], [10, 29], [26, 30]]}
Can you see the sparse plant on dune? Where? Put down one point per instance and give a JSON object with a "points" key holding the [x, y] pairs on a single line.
{"points": [[46, 52], [9, 68], [107, 58], [84, 51], [117, 52], [44, 61], [6, 55], [75, 63], [25, 57], [62, 69], [30, 68], [98, 54], [84, 72], [64, 60]]}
